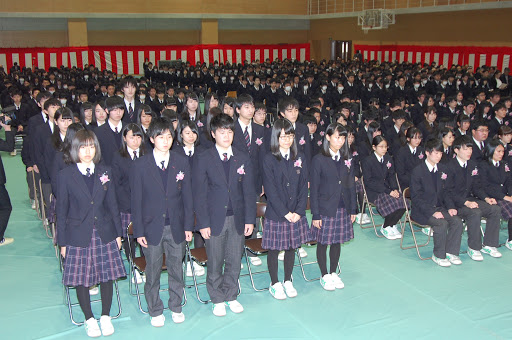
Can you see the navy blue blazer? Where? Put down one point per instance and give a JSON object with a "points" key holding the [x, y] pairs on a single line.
{"points": [[121, 166], [212, 191], [467, 184], [256, 151], [40, 138], [33, 123], [79, 211], [49, 156], [108, 144], [405, 162], [302, 140], [151, 203], [57, 165], [496, 181], [126, 117], [328, 186], [286, 186], [378, 178], [477, 154], [197, 150], [427, 197]]}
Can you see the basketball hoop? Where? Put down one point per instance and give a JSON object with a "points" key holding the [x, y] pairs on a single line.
{"points": [[366, 29]]}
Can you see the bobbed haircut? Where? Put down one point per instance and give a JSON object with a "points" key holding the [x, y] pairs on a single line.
{"points": [[136, 131], [84, 138], [490, 149], [285, 125], [187, 124], [330, 131]]}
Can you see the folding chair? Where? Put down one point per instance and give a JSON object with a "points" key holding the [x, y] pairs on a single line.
{"points": [[139, 264], [371, 206], [71, 305], [253, 246], [407, 195]]}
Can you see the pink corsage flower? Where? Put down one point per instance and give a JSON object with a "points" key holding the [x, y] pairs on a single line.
{"points": [[388, 164], [259, 141], [319, 143], [200, 124], [354, 153], [421, 155], [241, 170], [298, 163], [302, 141], [507, 169], [322, 133], [444, 176], [180, 176], [348, 163], [322, 122], [104, 178], [474, 172], [507, 122], [510, 153]]}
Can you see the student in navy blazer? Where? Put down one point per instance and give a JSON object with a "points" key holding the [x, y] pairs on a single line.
{"points": [[497, 182], [473, 203], [109, 134], [505, 136], [286, 227], [409, 156], [162, 217], [382, 188], [89, 228], [333, 202], [432, 204], [225, 211], [480, 132], [131, 104]]}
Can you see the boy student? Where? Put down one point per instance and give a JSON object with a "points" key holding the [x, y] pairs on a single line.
{"points": [[129, 87], [472, 202], [480, 132], [163, 218], [432, 204], [500, 114], [109, 135], [225, 211]]}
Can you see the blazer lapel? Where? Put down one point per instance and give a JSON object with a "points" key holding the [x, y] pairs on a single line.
{"points": [[80, 181], [153, 170], [96, 183], [332, 166], [218, 163]]}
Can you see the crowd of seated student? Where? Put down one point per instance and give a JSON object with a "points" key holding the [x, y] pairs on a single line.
{"points": [[442, 132]]}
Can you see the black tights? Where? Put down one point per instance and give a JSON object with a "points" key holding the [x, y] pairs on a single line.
{"points": [[510, 229], [289, 261], [84, 299], [334, 257], [393, 218]]}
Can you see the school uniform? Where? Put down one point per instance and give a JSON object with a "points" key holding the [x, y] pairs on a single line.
{"points": [[507, 156], [380, 181], [5, 201], [427, 129], [316, 143], [497, 184], [109, 139], [478, 151], [162, 210], [494, 126], [406, 160], [40, 138], [286, 188], [430, 193], [223, 201], [130, 111], [467, 187], [190, 153], [333, 198], [88, 225]]}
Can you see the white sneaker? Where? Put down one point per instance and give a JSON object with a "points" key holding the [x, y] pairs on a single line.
{"points": [[241, 266], [259, 234], [427, 231], [290, 290], [33, 202], [336, 280], [491, 251], [397, 233], [92, 328], [475, 255], [106, 325], [178, 317], [235, 306], [158, 321], [13, 153], [277, 291], [388, 233], [255, 260], [94, 290], [326, 282], [198, 269], [6, 240], [219, 309], [454, 259], [302, 252], [508, 244], [363, 219], [441, 262], [280, 256], [137, 277]]}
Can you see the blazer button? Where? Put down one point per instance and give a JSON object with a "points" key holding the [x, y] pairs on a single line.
{"points": [[95, 217], [339, 182], [163, 215], [225, 207], [92, 202], [287, 184]]}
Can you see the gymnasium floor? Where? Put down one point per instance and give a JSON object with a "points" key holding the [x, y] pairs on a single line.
{"points": [[389, 294]]}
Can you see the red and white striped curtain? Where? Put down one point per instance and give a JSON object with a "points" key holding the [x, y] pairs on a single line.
{"points": [[130, 59], [474, 56]]}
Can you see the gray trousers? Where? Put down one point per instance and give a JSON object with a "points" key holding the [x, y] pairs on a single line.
{"points": [[30, 183], [473, 219], [47, 191], [447, 234], [224, 250], [174, 253]]}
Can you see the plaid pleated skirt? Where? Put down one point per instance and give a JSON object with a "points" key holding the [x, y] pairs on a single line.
{"points": [[96, 263], [386, 204], [506, 209], [285, 235], [334, 230], [126, 218]]}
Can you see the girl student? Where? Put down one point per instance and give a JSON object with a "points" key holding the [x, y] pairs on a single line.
{"points": [[89, 229], [99, 112], [505, 136], [409, 156], [285, 174], [333, 202], [145, 116], [497, 182], [87, 117], [382, 187], [447, 136], [191, 109], [132, 147]]}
